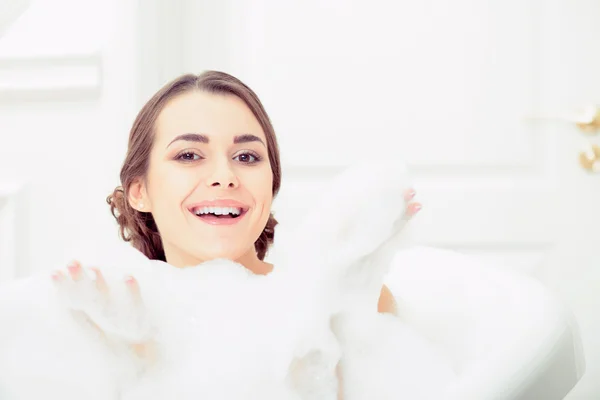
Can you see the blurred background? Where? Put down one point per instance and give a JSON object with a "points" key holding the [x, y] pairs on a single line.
{"points": [[493, 105]]}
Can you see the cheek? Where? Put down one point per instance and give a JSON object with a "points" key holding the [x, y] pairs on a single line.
{"points": [[259, 184], [262, 187], [169, 187]]}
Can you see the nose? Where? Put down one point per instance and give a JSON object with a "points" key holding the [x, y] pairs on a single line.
{"points": [[222, 176]]}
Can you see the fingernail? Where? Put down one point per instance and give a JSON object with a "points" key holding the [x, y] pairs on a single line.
{"points": [[129, 280], [55, 277], [412, 193], [417, 208]]}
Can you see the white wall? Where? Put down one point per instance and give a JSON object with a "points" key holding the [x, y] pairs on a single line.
{"points": [[448, 86], [445, 84], [72, 107], [67, 100]]}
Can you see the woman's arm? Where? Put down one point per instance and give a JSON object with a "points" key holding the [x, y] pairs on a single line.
{"points": [[387, 303]]}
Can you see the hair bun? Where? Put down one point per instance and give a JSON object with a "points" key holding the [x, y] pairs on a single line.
{"points": [[266, 238]]}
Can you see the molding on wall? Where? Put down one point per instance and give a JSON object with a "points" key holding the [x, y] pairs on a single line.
{"points": [[13, 239], [11, 10], [43, 58], [51, 78]]}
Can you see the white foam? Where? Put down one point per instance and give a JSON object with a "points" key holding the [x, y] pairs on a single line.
{"points": [[221, 332]]}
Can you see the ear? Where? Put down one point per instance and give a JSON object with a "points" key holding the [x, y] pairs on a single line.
{"points": [[138, 197]]}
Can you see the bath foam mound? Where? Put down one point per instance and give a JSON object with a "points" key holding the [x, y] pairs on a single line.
{"points": [[216, 331]]}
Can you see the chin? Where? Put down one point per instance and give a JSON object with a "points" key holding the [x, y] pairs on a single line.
{"points": [[224, 251]]}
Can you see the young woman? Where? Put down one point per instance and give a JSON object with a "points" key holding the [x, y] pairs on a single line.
{"points": [[200, 174]]}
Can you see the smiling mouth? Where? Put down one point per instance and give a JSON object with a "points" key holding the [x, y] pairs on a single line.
{"points": [[217, 215]]}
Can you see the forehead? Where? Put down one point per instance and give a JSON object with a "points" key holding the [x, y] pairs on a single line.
{"points": [[215, 115]]}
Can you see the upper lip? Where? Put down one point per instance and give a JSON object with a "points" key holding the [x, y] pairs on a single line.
{"points": [[219, 203]]}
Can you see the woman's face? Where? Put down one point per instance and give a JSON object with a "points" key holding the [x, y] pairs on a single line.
{"points": [[209, 183]]}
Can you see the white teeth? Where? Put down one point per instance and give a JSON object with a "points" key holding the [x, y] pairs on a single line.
{"points": [[218, 210]]}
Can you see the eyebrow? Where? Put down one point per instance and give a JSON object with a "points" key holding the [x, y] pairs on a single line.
{"points": [[201, 138], [247, 138]]}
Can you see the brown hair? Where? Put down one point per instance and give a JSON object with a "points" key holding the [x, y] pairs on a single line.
{"points": [[139, 228]]}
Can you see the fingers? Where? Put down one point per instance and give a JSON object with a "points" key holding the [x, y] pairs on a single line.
{"points": [[66, 283], [76, 278], [76, 274], [101, 284], [95, 299], [77, 289], [58, 277], [134, 289], [146, 350], [75, 271], [412, 207], [140, 322]]}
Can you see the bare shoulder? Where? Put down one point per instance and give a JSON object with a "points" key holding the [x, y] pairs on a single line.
{"points": [[387, 303]]}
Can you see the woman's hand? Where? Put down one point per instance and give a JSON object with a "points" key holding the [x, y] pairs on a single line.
{"points": [[386, 300], [117, 314], [412, 207]]}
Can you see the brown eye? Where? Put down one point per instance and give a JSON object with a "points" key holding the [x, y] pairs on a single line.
{"points": [[188, 156], [245, 157], [248, 158]]}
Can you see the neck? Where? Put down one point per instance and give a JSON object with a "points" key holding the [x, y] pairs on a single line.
{"points": [[249, 260]]}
